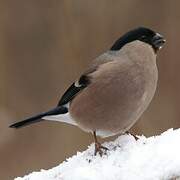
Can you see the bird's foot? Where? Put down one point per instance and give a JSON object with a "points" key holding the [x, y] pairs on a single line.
{"points": [[99, 149], [135, 137]]}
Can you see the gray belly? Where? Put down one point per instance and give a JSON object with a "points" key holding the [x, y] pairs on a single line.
{"points": [[114, 106]]}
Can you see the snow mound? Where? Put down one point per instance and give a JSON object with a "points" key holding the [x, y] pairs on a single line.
{"points": [[154, 158]]}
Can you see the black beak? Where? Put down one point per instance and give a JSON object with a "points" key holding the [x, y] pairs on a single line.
{"points": [[158, 41]]}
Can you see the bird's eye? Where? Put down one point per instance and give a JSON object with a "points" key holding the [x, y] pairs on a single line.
{"points": [[143, 37]]}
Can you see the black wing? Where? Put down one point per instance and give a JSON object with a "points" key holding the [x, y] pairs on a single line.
{"points": [[71, 92], [74, 89]]}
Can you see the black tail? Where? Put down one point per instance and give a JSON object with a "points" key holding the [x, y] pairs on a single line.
{"points": [[37, 118]]}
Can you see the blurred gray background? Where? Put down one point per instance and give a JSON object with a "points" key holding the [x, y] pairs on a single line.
{"points": [[44, 47]]}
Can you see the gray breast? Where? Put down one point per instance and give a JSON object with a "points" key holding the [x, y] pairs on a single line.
{"points": [[116, 98]]}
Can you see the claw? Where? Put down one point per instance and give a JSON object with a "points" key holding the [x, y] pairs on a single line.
{"points": [[98, 147], [135, 137]]}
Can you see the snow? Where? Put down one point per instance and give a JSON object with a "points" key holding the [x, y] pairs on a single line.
{"points": [[153, 158]]}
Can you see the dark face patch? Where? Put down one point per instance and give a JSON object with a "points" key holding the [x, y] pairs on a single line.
{"points": [[142, 34]]}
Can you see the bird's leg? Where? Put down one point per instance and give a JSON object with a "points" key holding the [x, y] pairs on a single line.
{"points": [[98, 146], [135, 137]]}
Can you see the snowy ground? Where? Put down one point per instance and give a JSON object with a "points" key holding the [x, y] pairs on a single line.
{"points": [[154, 158]]}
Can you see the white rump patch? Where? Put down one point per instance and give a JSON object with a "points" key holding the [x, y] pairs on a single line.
{"points": [[66, 118], [104, 134]]}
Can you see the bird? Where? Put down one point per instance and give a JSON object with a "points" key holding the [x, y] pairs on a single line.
{"points": [[114, 91]]}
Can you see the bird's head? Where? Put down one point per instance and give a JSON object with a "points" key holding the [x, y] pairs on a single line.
{"points": [[142, 34]]}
